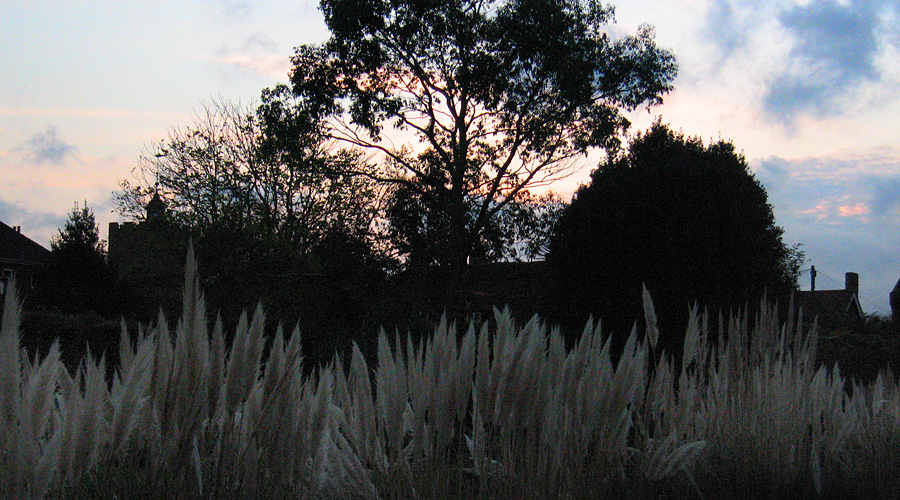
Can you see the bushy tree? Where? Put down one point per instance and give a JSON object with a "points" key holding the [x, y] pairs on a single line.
{"points": [[690, 221], [502, 96], [80, 235]]}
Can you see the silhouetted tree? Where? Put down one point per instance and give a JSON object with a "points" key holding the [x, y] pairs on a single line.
{"points": [[502, 96], [227, 173], [690, 221], [274, 214], [78, 278]]}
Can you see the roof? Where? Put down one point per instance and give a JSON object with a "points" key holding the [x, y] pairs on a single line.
{"points": [[520, 285], [829, 303], [16, 248], [500, 282], [156, 207]]}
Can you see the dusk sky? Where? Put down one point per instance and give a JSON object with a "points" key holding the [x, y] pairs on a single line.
{"points": [[809, 91]]}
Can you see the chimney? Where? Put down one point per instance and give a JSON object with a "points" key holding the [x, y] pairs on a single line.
{"points": [[812, 279], [851, 283], [17, 229]]}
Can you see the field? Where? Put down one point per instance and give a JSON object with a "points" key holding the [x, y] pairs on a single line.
{"points": [[493, 410]]}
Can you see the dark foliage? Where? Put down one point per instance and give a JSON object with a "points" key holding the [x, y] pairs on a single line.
{"points": [[330, 292], [78, 277], [861, 349], [77, 334], [689, 221], [274, 216], [419, 228]]}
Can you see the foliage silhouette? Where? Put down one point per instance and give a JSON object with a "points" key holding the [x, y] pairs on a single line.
{"points": [[503, 96], [271, 214], [227, 171], [78, 278], [690, 221]]}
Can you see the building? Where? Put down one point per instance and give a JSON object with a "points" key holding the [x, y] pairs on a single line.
{"points": [[832, 305], [21, 259], [895, 302], [522, 286], [148, 257]]}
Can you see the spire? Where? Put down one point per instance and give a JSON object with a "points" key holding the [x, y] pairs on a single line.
{"points": [[156, 207]]}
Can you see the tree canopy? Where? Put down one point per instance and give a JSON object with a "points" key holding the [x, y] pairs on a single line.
{"points": [[501, 97], [418, 228], [690, 221], [80, 234]]}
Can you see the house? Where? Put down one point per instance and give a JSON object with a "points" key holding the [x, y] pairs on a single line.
{"points": [[520, 285], [895, 302], [832, 305], [20, 258]]}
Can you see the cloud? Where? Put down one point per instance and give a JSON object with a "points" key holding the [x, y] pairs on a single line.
{"points": [[239, 10], [845, 210], [834, 51], [256, 54], [837, 189], [38, 225], [732, 25], [84, 113], [841, 37], [259, 42], [823, 54], [47, 147], [725, 28], [854, 210], [885, 195]]}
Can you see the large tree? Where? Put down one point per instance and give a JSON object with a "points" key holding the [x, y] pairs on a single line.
{"points": [[689, 221], [487, 99]]}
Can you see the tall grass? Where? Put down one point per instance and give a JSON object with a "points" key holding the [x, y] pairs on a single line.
{"points": [[499, 410]]}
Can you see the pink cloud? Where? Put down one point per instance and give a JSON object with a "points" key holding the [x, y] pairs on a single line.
{"points": [[820, 211], [836, 210], [853, 210], [269, 65]]}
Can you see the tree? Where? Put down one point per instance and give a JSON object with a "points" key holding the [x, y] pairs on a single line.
{"points": [[273, 211], [227, 174], [689, 221], [78, 278], [502, 96]]}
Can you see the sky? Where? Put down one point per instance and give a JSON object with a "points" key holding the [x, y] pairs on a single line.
{"points": [[808, 91]]}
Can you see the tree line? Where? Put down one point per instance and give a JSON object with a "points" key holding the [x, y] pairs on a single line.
{"points": [[419, 136]]}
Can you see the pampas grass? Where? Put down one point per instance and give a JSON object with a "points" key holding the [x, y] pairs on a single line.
{"points": [[497, 410]]}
